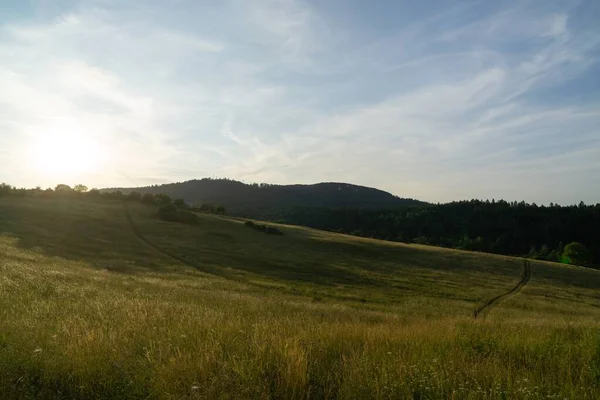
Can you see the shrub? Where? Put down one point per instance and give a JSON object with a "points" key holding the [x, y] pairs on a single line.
{"points": [[180, 203], [5, 189], [134, 196], [271, 230], [148, 198], [162, 199], [576, 253], [209, 209], [187, 217], [118, 195], [170, 212]]}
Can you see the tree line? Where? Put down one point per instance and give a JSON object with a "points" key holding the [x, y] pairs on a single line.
{"points": [[554, 233], [82, 191], [501, 227]]}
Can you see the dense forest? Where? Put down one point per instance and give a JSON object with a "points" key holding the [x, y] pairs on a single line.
{"points": [[491, 226], [542, 232]]}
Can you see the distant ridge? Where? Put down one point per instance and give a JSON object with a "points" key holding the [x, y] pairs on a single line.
{"points": [[240, 198]]}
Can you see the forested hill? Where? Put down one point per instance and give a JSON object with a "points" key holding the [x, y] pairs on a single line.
{"points": [[501, 227], [247, 199]]}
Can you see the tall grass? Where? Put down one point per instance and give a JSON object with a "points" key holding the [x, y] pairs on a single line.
{"points": [[94, 320]]}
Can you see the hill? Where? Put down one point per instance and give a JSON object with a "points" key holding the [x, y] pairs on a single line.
{"points": [[102, 299], [240, 198], [501, 227]]}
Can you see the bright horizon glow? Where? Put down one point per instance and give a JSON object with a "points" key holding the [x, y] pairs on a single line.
{"points": [[64, 154], [435, 100]]}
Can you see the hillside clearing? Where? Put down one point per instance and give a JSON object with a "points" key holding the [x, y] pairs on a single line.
{"points": [[89, 310]]}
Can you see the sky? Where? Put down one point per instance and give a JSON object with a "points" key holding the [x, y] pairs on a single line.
{"points": [[434, 100]]}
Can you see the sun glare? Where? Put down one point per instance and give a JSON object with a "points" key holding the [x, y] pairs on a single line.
{"points": [[65, 154]]}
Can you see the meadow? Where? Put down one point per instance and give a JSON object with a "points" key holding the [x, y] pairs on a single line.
{"points": [[101, 299]]}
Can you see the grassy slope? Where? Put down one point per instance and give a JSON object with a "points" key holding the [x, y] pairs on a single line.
{"points": [[87, 309]]}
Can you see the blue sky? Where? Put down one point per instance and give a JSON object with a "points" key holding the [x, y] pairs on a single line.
{"points": [[436, 100]]}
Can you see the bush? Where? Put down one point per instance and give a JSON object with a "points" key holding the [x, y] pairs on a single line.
{"points": [[271, 230], [5, 189], [208, 209], [170, 212], [577, 254], [162, 199], [134, 196], [148, 198], [180, 203]]}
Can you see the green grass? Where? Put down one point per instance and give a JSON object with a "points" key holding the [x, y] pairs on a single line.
{"points": [[88, 310]]}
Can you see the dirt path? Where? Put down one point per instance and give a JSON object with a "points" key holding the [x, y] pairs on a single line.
{"points": [[524, 279], [488, 305], [220, 272], [140, 236]]}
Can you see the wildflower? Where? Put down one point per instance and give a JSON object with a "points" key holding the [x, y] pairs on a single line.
{"points": [[183, 336], [38, 350], [195, 387], [389, 352]]}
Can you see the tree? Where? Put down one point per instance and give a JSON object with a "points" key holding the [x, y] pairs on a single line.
{"points": [[576, 253], [134, 196], [62, 188], [180, 203], [5, 189], [79, 188], [162, 199], [148, 198]]}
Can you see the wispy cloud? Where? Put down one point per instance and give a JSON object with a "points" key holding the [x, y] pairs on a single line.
{"points": [[474, 100]]}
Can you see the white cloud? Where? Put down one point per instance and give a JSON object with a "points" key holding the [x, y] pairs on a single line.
{"points": [[451, 106]]}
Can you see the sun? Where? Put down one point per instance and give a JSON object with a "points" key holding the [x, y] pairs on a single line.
{"points": [[65, 154]]}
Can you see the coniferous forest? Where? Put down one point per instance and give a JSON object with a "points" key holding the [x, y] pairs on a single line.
{"points": [[540, 232]]}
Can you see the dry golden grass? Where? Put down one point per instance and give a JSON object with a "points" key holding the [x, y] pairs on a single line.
{"points": [[87, 310]]}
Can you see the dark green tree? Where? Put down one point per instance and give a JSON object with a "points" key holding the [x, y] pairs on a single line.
{"points": [[62, 188], [576, 253], [79, 188], [162, 199], [180, 203], [148, 198], [134, 196], [5, 189]]}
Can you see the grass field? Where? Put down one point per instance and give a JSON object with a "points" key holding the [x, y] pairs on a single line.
{"points": [[90, 310]]}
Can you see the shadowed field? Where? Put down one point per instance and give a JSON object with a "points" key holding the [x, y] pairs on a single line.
{"points": [[87, 309]]}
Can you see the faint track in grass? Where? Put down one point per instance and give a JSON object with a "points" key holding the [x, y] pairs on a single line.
{"points": [[159, 250], [487, 306], [522, 282], [156, 248]]}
